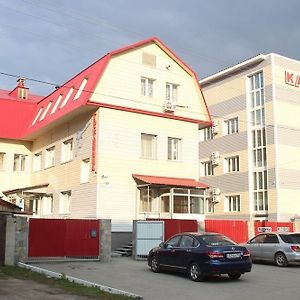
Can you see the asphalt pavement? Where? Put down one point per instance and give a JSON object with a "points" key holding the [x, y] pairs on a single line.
{"points": [[265, 281]]}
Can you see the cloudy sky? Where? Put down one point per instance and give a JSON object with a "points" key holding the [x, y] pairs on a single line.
{"points": [[51, 40]]}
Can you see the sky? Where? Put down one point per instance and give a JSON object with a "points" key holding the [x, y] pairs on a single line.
{"points": [[51, 41]]}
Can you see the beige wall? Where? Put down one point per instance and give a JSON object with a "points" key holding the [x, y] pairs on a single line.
{"points": [[121, 84]]}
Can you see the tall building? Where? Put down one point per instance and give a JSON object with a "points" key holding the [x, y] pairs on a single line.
{"points": [[251, 155], [119, 141]]}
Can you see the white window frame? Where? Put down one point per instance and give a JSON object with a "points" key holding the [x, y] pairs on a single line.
{"points": [[233, 203], [232, 164], [147, 87], [67, 150], [48, 205], [20, 162], [207, 168], [231, 126], [206, 134], [85, 171], [172, 92], [2, 160], [174, 148], [148, 146], [82, 86], [37, 161], [50, 157], [65, 202]]}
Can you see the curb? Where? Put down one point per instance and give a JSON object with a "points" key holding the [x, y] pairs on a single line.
{"points": [[80, 281]]}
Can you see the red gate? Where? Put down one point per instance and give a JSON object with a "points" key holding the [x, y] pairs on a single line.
{"points": [[236, 230], [266, 226], [63, 237]]}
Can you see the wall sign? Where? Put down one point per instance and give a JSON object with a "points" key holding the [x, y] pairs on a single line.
{"points": [[292, 79]]}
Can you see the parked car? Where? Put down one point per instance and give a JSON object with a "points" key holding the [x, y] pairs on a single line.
{"points": [[199, 255], [280, 248]]}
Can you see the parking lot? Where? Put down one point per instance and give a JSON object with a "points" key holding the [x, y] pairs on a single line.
{"points": [[265, 281]]}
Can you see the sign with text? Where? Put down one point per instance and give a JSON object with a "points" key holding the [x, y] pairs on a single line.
{"points": [[292, 79]]}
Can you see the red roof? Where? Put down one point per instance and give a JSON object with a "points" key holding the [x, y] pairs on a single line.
{"points": [[172, 181], [30, 117]]}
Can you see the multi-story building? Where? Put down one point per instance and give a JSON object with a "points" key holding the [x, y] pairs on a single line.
{"points": [[119, 141], [251, 155]]}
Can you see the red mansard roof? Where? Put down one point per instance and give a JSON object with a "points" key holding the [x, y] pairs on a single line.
{"points": [[22, 119]]}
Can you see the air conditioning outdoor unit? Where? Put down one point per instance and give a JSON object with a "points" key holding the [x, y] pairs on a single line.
{"points": [[169, 106], [215, 199], [216, 191], [215, 158]]}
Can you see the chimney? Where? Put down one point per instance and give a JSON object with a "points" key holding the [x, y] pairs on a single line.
{"points": [[20, 91]]}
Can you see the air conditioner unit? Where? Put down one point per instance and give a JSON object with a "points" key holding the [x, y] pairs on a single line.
{"points": [[215, 158], [169, 106], [215, 127], [215, 199], [216, 191]]}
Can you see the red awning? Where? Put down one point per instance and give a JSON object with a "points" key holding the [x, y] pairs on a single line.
{"points": [[171, 181]]}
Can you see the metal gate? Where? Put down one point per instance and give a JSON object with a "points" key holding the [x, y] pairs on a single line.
{"points": [[2, 238], [63, 238], [148, 235]]}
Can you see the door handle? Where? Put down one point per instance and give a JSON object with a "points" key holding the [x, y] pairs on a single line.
{"points": [[188, 250]]}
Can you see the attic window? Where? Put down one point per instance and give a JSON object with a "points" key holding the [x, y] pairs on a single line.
{"points": [[82, 86], [37, 116], [22, 93], [56, 104], [67, 97], [149, 59], [45, 111]]}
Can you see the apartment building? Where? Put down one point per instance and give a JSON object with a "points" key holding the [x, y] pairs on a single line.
{"points": [[251, 155], [119, 141]]}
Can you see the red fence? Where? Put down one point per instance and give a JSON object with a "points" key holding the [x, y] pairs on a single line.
{"points": [[236, 230], [173, 226], [266, 226], [60, 238]]}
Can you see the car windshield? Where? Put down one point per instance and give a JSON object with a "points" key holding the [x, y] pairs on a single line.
{"points": [[291, 238], [216, 240]]}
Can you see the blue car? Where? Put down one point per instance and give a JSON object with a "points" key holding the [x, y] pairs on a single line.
{"points": [[199, 255]]}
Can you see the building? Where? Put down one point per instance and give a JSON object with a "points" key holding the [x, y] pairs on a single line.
{"points": [[251, 155], [117, 141]]}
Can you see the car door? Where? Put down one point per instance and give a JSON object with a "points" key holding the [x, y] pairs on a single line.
{"points": [[185, 251], [168, 254], [254, 246], [269, 247]]}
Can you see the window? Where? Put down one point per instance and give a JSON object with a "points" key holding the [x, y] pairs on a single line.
{"points": [[148, 146], [187, 242], [65, 202], [188, 201], [232, 126], [146, 200], [233, 203], [45, 111], [22, 93], [67, 151], [37, 161], [48, 205], [174, 145], [82, 86], [206, 134], [147, 86], [232, 164], [70, 92], [56, 104], [209, 207], [171, 92], [260, 185], [49, 157], [207, 168], [37, 116], [2, 160], [173, 242], [85, 171], [19, 162]]}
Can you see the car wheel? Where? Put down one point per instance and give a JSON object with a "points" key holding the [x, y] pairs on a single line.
{"points": [[234, 276], [195, 272], [154, 265], [280, 260]]}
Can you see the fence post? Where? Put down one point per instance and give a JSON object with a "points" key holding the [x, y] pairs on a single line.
{"points": [[105, 240], [21, 239]]}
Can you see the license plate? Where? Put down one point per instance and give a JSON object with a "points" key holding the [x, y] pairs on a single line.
{"points": [[233, 255]]}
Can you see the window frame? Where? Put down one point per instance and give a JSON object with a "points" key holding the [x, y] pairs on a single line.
{"points": [[148, 144], [232, 164], [233, 203], [65, 202], [50, 157], [67, 150], [231, 126], [174, 149], [147, 87]]}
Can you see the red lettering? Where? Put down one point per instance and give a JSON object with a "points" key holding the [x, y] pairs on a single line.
{"points": [[297, 83], [289, 78]]}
